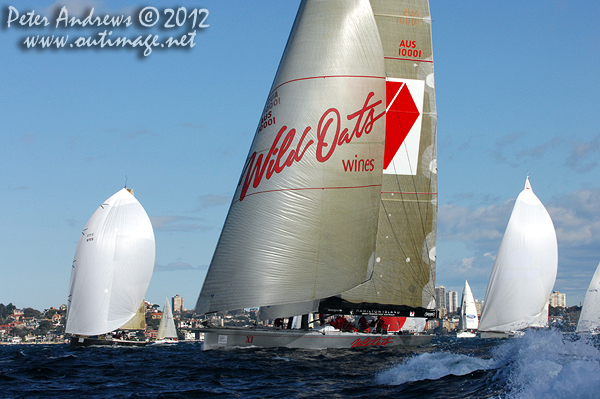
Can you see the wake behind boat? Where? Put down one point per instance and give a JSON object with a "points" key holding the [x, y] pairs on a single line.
{"points": [[336, 208]]}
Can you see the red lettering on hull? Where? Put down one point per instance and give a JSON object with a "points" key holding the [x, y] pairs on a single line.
{"points": [[375, 341]]}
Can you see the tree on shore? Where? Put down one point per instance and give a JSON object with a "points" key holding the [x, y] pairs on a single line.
{"points": [[6, 310]]}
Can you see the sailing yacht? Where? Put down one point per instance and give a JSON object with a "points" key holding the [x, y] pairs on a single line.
{"points": [[589, 319], [167, 333], [469, 322], [524, 271], [113, 265], [335, 212]]}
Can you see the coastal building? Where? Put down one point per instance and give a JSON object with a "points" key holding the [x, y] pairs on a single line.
{"points": [[452, 301], [558, 300], [440, 297], [177, 304], [479, 307]]}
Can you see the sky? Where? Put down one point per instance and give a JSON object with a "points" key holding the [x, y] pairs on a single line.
{"points": [[517, 93]]}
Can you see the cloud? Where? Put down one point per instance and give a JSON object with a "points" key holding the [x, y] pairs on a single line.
{"points": [[539, 150], [583, 155], [177, 266], [189, 125], [73, 223], [212, 200], [502, 144], [576, 217], [27, 138], [177, 223], [138, 133], [480, 226]]}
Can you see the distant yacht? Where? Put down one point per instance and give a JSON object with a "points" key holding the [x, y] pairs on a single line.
{"points": [[589, 319], [111, 272], [524, 271], [468, 314]]}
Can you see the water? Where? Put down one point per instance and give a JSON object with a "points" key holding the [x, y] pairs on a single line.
{"points": [[543, 364]]}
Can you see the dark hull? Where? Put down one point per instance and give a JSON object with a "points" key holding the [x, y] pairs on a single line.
{"points": [[86, 341]]}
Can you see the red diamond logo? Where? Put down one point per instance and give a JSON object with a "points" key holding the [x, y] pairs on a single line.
{"points": [[401, 115]]}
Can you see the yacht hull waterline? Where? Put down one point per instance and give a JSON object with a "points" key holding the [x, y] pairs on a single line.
{"points": [[232, 338], [87, 341]]}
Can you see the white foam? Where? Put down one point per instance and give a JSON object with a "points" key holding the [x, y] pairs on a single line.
{"points": [[432, 366], [542, 364]]}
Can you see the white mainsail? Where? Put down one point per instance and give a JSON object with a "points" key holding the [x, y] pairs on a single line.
{"points": [[303, 220], [589, 319], [468, 310], [112, 268], [166, 328], [524, 271]]}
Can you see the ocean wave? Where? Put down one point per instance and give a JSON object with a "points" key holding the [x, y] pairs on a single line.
{"points": [[432, 366], [545, 364], [541, 364]]}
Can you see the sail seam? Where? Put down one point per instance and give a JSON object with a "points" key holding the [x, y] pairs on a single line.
{"points": [[311, 188], [328, 76], [406, 59]]}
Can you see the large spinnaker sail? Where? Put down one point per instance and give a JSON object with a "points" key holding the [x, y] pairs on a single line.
{"points": [[524, 270], [404, 268], [589, 319], [303, 219], [468, 310], [112, 268]]}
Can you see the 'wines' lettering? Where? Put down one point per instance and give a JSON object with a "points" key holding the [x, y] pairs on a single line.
{"points": [[358, 165]]}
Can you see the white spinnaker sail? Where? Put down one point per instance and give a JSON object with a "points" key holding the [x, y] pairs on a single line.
{"points": [[524, 271], [112, 268], [468, 310], [589, 319], [166, 328], [303, 219], [542, 319]]}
